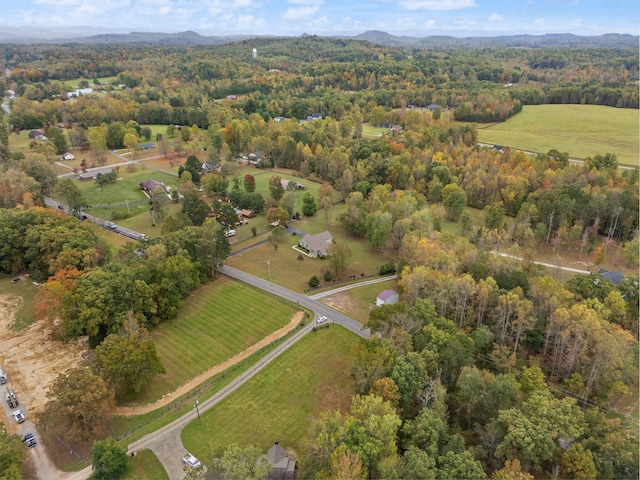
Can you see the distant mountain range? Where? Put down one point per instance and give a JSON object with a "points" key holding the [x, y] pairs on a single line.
{"points": [[90, 35]]}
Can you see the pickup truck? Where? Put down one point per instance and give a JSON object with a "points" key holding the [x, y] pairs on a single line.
{"points": [[190, 461]]}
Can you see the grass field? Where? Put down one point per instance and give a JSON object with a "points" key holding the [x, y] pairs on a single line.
{"points": [[281, 403], [145, 466], [581, 130], [217, 321]]}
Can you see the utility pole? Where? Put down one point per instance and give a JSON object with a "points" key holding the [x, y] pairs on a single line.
{"points": [[269, 269], [198, 411]]}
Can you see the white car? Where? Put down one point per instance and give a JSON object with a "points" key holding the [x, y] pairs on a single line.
{"points": [[321, 319], [190, 461], [18, 416], [229, 233]]}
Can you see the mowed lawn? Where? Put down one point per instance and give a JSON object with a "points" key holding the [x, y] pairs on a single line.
{"points": [[281, 402], [358, 302], [218, 321], [581, 130], [145, 466]]}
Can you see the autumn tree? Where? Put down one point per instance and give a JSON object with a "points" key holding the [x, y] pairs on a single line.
{"points": [[454, 199], [234, 462], [82, 400], [73, 196]]}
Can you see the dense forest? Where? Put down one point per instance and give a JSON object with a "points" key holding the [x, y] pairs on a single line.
{"points": [[488, 366]]}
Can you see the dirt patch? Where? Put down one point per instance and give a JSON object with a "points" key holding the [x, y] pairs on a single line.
{"points": [[31, 359], [342, 301], [203, 377]]}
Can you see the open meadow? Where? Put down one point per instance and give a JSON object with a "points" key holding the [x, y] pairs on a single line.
{"points": [[358, 302], [581, 130], [280, 404]]}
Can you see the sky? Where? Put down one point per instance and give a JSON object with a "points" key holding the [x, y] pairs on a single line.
{"points": [[458, 18]]}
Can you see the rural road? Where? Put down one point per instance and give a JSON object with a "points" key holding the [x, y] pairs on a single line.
{"points": [[166, 442]]}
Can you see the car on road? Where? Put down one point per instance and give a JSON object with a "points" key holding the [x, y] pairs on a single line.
{"points": [[321, 319], [18, 416], [190, 461], [111, 225], [30, 440]]}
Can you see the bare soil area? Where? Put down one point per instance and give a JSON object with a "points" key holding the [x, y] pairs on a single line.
{"points": [[32, 359]]}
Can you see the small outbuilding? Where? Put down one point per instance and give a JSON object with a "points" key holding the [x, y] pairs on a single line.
{"points": [[149, 185], [387, 297], [68, 156]]}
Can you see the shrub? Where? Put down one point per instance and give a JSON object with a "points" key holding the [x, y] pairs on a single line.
{"points": [[328, 276], [314, 282]]}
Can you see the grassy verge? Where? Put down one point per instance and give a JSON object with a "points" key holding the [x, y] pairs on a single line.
{"points": [[581, 130], [145, 466], [216, 322], [281, 402]]}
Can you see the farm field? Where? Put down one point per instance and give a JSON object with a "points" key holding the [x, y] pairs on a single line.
{"points": [[281, 403], [217, 321], [581, 130]]}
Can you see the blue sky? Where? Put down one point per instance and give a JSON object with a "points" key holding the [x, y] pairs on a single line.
{"points": [[328, 17]]}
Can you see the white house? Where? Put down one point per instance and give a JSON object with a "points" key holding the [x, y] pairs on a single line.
{"points": [[387, 297]]}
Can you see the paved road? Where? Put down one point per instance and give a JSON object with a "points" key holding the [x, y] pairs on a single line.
{"points": [[166, 442], [352, 285]]}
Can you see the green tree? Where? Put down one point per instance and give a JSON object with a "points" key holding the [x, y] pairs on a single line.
{"points": [[83, 401], [378, 225], [109, 459], [98, 142], [494, 214], [72, 195], [338, 254], [309, 206], [460, 465], [577, 462], [159, 201], [195, 208], [234, 462], [12, 454], [212, 247], [58, 138], [454, 199], [128, 360], [276, 190], [132, 142]]}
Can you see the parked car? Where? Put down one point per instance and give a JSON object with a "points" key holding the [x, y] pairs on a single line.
{"points": [[230, 233], [30, 440], [3, 377], [9, 400], [14, 397], [321, 319], [190, 461], [18, 416]]}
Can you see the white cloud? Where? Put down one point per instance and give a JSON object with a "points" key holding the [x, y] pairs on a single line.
{"points": [[437, 4], [306, 2], [298, 13], [495, 17], [61, 3], [430, 23], [538, 22]]}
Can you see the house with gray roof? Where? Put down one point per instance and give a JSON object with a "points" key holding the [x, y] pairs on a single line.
{"points": [[282, 467], [614, 276], [316, 245], [149, 185]]}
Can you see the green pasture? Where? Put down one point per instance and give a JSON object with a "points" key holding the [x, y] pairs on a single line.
{"points": [[288, 271], [581, 130], [218, 321], [371, 131], [361, 299], [21, 295], [283, 400], [75, 81], [145, 466]]}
